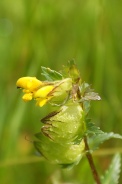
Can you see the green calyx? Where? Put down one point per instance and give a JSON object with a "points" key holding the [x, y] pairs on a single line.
{"points": [[67, 124], [61, 139], [59, 153]]}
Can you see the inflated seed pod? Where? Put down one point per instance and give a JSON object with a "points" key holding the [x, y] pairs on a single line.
{"points": [[61, 138], [67, 124], [59, 153]]}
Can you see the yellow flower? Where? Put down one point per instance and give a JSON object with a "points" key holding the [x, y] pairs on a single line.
{"points": [[43, 95], [34, 88], [42, 92], [27, 97], [29, 83]]}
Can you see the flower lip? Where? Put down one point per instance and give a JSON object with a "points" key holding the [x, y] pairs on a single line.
{"points": [[30, 83], [43, 92]]}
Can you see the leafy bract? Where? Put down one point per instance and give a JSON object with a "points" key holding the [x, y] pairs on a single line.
{"points": [[92, 128], [112, 174], [51, 75], [87, 93]]}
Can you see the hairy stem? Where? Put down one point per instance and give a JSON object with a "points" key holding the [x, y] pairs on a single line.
{"points": [[91, 162]]}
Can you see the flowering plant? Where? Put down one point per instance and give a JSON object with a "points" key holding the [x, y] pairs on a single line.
{"points": [[67, 134]]}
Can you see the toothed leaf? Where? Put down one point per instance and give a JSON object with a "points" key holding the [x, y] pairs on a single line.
{"points": [[98, 139], [92, 128], [112, 174], [51, 75], [86, 106]]}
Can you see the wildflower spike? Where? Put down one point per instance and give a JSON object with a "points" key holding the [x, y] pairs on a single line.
{"points": [[61, 139]]}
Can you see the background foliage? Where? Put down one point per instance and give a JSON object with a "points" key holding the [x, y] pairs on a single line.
{"points": [[49, 33]]}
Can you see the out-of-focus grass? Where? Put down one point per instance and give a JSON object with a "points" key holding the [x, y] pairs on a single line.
{"points": [[49, 33]]}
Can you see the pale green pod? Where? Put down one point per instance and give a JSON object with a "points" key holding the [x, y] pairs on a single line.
{"points": [[63, 154], [66, 125], [61, 139]]}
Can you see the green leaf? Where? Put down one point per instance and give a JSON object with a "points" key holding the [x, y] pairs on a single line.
{"points": [[85, 88], [112, 174], [51, 75], [86, 107], [92, 128], [95, 140]]}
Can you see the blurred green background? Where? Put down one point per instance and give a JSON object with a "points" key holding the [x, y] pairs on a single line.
{"points": [[49, 33]]}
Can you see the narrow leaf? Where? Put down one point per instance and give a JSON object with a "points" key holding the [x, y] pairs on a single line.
{"points": [[112, 174], [97, 139], [51, 75]]}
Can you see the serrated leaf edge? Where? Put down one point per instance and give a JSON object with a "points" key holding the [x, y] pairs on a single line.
{"points": [[113, 165]]}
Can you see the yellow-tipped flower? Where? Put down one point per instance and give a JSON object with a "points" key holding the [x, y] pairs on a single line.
{"points": [[29, 83], [34, 88], [42, 92], [27, 97], [42, 95]]}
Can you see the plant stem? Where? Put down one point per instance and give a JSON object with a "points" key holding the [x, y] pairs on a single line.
{"points": [[91, 162]]}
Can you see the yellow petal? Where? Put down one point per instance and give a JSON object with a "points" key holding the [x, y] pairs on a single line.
{"points": [[26, 91], [42, 101], [30, 83], [27, 97], [43, 92]]}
